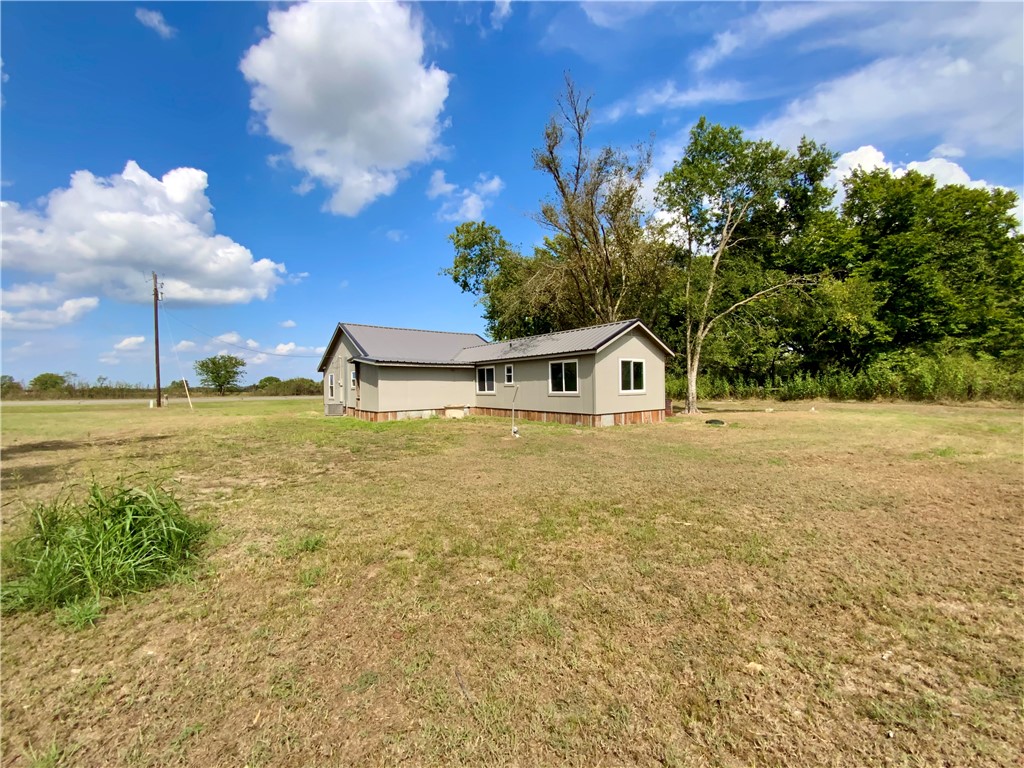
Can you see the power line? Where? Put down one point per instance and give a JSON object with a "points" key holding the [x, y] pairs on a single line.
{"points": [[231, 344]]}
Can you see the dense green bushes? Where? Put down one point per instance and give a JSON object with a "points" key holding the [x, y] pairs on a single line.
{"points": [[298, 386], [120, 539], [909, 375]]}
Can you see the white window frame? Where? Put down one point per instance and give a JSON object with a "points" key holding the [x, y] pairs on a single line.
{"points": [[490, 391], [632, 360], [352, 378], [510, 376], [330, 386], [564, 393]]}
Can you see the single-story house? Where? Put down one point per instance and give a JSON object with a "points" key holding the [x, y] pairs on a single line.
{"points": [[596, 376]]}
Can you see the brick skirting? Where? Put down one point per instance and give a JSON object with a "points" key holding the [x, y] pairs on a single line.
{"points": [[576, 419]]}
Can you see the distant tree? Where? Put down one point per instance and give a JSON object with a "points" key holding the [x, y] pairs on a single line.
{"points": [[48, 382], [8, 385], [267, 381], [220, 371]]}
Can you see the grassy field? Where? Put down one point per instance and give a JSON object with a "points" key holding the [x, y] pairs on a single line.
{"points": [[831, 587]]}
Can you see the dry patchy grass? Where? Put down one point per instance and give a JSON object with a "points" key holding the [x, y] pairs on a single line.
{"points": [[838, 587]]}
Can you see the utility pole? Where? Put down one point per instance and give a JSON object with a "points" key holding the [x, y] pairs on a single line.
{"points": [[156, 339]]}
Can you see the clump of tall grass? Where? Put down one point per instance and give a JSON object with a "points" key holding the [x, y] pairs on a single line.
{"points": [[121, 538]]}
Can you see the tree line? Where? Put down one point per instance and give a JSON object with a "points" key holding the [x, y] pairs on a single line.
{"points": [[220, 374], [745, 263]]}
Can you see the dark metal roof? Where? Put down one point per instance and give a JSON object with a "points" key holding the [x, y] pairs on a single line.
{"points": [[380, 343], [407, 346], [556, 344]]}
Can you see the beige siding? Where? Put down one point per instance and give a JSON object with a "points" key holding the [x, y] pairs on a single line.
{"points": [[369, 392], [339, 366], [415, 388], [638, 346], [531, 376]]}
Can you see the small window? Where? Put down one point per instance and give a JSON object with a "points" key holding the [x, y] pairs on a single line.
{"points": [[485, 379], [631, 376], [330, 386], [353, 379], [508, 373], [563, 379]]}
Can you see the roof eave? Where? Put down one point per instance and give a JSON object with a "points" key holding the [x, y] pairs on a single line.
{"points": [[411, 363], [327, 352]]}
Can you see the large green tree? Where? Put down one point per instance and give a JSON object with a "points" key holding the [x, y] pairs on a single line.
{"points": [[506, 283], [220, 371], [946, 263], [48, 382], [742, 214]]}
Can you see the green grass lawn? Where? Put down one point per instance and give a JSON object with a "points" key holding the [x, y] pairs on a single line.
{"points": [[836, 587]]}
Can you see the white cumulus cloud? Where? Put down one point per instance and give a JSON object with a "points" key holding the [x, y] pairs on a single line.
{"points": [[105, 234], [345, 87], [184, 346], [231, 337], [155, 21], [464, 204], [27, 294], [129, 343], [438, 187], [288, 324], [47, 319], [869, 158]]}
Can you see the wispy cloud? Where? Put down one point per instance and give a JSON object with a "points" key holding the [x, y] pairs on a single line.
{"points": [[130, 343], [500, 13], [613, 15], [670, 96], [48, 319], [769, 23], [155, 21]]}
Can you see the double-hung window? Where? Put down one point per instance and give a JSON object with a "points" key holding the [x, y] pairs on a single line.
{"points": [[508, 374], [330, 386], [485, 380], [631, 376], [562, 378]]}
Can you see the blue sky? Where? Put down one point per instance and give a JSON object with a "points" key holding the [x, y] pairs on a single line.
{"points": [[285, 167]]}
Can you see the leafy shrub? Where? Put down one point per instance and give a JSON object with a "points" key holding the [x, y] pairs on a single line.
{"points": [[120, 539], [909, 375], [297, 386]]}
